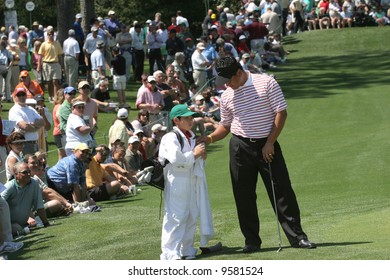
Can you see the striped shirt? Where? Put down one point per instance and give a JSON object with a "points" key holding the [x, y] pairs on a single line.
{"points": [[250, 110]]}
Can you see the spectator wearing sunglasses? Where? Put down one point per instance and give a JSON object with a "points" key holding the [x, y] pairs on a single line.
{"points": [[77, 130], [67, 177], [31, 87], [23, 194], [27, 120], [64, 112], [100, 184]]}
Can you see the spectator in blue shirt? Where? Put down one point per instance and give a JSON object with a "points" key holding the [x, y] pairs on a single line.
{"points": [[112, 24], [67, 177], [36, 34]]}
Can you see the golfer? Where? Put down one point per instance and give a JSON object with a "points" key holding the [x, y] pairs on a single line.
{"points": [[253, 109]]}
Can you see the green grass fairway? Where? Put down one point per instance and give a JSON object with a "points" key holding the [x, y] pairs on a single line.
{"points": [[337, 147]]}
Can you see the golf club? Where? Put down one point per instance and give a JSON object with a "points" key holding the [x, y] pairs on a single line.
{"points": [[275, 206]]}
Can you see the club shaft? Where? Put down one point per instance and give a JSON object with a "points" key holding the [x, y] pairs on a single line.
{"points": [[275, 205]]}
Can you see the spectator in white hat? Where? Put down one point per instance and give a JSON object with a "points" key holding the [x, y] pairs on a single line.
{"points": [[200, 65], [158, 131], [77, 131], [112, 24], [133, 155], [121, 127]]}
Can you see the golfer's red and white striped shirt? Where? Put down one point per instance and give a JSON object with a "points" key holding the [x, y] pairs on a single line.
{"points": [[250, 110]]}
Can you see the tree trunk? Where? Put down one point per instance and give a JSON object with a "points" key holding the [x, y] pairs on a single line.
{"points": [[87, 9], [65, 18]]}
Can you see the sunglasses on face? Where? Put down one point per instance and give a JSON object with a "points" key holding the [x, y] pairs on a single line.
{"points": [[18, 144], [85, 152], [25, 172], [85, 87], [72, 93], [21, 94], [104, 154]]}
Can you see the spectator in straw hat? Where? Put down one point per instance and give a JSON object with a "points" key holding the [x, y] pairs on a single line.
{"points": [[36, 34]]}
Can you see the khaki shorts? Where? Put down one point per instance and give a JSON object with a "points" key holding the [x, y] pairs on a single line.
{"points": [[51, 71], [119, 82]]}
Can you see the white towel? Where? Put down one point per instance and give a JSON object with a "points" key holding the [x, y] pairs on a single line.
{"points": [[203, 202]]}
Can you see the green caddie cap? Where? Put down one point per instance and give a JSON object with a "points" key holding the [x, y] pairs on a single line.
{"points": [[181, 110]]}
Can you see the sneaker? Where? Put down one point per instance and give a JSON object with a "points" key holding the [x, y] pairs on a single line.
{"points": [[38, 222], [84, 204], [10, 247]]}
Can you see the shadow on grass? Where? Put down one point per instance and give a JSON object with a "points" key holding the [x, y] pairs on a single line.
{"points": [[319, 77], [238, 250], [331, 244]]}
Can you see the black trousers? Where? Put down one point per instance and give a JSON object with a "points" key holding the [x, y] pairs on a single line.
{"points": [[155, 56], [246, 162], [139, 57]]}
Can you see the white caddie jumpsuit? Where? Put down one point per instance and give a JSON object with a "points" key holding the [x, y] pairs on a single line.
{"points": [[181, 210]]}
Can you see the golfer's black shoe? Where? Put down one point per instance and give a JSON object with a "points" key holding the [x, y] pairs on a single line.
{"points": [[250, 249], [305, 244]]}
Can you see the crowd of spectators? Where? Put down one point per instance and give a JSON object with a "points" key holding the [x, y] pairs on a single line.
{"points": [[34, 65]]}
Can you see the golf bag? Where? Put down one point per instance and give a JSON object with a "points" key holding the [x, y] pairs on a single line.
{"points": [[157, 179]]}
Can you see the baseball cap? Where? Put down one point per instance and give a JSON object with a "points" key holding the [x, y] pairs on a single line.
{"points": [[68, 90], [83, 83], [242, 37], [78, 102], [35, 23], [23, 73], [133, 139], [226, 68], [138, 131], [94, 28], [31, 101], [246, 55], [151, 79], [122, 113], [79, 16], [111, 13], [188, 39], [20, 89], [158, 127], [39, 97], [13, 43], [199, 97], [181, 110], [81, 147], [99, 44], [200, 46]]}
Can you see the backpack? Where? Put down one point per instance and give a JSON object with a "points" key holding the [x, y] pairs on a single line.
{"points": [[157, 179]]}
